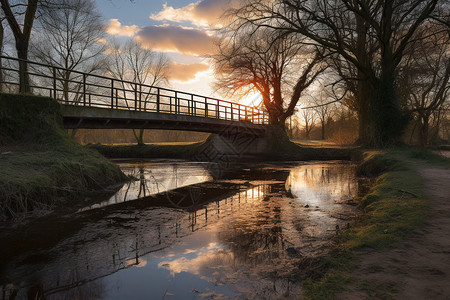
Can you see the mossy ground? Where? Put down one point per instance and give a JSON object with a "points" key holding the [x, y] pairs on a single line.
{"points": [[41, 166], [394, 208]]}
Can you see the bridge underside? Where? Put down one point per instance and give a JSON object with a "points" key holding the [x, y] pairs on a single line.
{"points": [[75, 117]]}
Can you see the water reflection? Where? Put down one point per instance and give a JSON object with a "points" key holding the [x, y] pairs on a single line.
{"points": [[155, 178], [244, 242]]}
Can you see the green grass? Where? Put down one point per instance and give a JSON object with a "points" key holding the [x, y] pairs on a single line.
{"points": [[41, 166], [394, 208]]}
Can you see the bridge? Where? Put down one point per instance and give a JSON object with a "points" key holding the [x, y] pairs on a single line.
{"points": [[94, 101]]}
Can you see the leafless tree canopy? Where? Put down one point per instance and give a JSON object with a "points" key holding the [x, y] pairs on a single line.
{"points": [[369, 37], [280, 69], [72, 35], [132, 63]]}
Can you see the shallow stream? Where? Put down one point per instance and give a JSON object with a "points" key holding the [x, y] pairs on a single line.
{"points": [[181, 231]]}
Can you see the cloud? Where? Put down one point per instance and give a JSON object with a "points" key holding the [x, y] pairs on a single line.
{"points": [[115, 28], [102, 41], [201, 13], [185, 72], [179, 39]]}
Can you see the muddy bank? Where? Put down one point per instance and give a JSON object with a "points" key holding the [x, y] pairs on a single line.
{"points": [[41, 166]]}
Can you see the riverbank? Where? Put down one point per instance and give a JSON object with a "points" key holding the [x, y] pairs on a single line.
{"points": [[193, 151], [41, 166], [398, 213]]}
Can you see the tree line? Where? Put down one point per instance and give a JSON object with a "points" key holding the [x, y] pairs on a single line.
{"points": [[70, 34], [385, 61]]}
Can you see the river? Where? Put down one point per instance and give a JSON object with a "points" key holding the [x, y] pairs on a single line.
{"points": [[182, 230]]}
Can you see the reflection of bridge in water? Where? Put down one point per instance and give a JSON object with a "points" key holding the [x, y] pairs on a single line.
{"points": [[81, 259], [254, 220]]}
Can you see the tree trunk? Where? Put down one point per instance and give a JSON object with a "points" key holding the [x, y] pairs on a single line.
{"points": [[424, 129], [1, 51], [65, 84], [389, 119], [139, 136], [323, 129], [22, 53], [365, 122]]}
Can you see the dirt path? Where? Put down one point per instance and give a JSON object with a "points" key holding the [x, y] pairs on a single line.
{"points": [[420, 267]]}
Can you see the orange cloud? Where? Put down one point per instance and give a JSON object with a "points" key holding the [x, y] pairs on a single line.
{"points": [[185, 72], [202, 13], [115, 28], [176, 39]]}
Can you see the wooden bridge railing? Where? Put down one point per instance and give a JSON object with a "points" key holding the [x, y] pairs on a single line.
{"points": [[92, 90]]}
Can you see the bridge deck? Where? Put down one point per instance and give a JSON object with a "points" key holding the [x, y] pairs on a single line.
{"points": [[96, 101], [101, 118]]}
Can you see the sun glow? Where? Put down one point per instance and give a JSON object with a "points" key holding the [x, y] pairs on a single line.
{"points": [[252, 99]]}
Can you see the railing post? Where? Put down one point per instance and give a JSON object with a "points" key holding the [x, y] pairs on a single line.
{"points": [[177, 104], [239, 112], [232, 115], [191, 106], [217, 110], [112, 93], [117, 98], [136, 96], [206, 107], [54, 83], [140, 97], [246, 113], [253, 115], [158, 99], [84, 89]]}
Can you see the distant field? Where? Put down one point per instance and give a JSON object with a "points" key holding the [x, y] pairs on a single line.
{"points": [[160, 144], [317, 143]]}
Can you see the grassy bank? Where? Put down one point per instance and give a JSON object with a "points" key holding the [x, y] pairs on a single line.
{"points": [[148, 151], [394, 208], [41, 166]]}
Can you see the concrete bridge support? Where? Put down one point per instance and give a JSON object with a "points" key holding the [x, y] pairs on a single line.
{"points": [[228, 147]]}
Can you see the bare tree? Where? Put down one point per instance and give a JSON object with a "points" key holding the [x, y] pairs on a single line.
{"points": [[426, 77], [2, 33], [277, 68], [370, 35], [72, 33], [309, 121], [20, 16], [132, 63], [21, 35], [323, 108]]}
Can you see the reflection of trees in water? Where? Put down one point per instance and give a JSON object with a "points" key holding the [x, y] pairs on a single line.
{"points": [[333, 180], [119, 241], [260, 238], [250, 220]]}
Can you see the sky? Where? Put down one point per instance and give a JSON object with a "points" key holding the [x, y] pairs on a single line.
{"points": [[180, 28]]}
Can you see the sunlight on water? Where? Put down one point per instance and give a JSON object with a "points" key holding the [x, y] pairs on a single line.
{"points": [[244, 237], [152, 178]]}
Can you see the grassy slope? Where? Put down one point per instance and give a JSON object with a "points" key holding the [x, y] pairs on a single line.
{"points": [[393, 209], [40, 165]]}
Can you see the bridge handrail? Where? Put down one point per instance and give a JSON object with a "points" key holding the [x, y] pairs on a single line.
{"points": [[219, 109]]}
